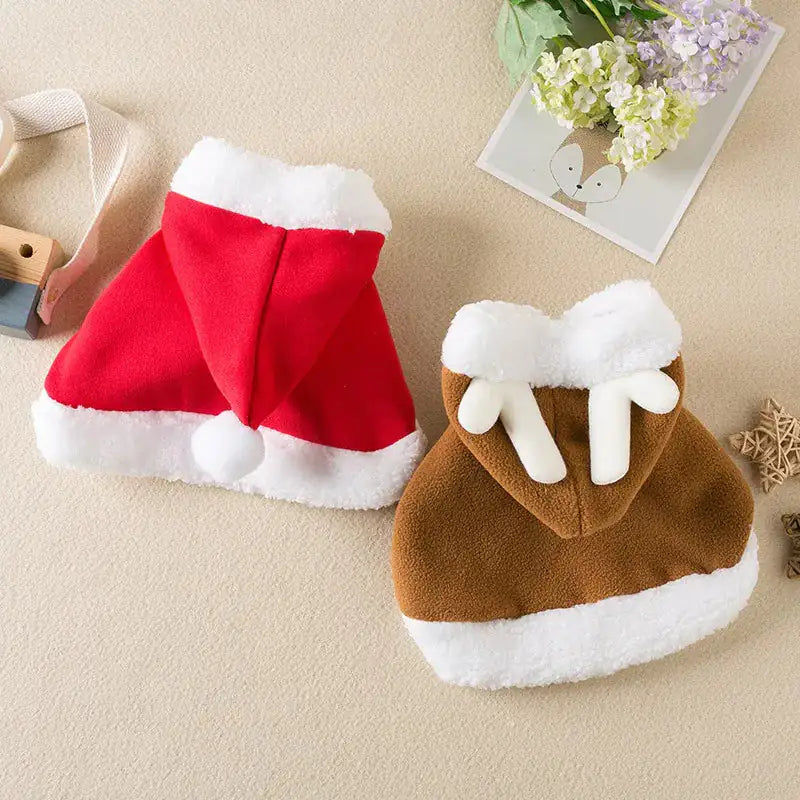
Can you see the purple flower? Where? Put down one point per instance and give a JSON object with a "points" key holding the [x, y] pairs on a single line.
{"points": [[702, 54], [650, 51], [713, 35]]}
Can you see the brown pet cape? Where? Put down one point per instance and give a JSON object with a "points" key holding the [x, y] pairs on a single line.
{"points": [[574, 518]]}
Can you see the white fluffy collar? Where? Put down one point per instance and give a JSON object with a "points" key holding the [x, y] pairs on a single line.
{"points": [[619, 330], [324, 196]]}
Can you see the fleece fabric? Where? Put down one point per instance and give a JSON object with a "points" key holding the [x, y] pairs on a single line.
{"points": [[252, 315], [471, 510], [142, 660], [478, 543]]}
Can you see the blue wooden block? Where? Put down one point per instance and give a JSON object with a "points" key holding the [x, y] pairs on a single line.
{"points": [[18, 303]]}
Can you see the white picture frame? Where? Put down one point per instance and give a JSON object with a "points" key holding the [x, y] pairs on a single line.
{"points": [[521, 148]]}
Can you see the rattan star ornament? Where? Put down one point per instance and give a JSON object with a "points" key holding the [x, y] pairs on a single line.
{"points": [[774, 445], [791, 522]]}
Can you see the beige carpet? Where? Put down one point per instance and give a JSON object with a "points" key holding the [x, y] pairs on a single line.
{"points": [[163, 641]]}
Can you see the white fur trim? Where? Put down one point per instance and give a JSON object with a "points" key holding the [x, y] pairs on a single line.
{"points": [[589, 640], [158, 443], [620, 330], [324, 196]]}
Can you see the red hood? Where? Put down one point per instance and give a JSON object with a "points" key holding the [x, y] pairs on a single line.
{"points": [[264, 300]]}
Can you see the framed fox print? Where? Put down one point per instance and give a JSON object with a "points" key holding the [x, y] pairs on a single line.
{"points": [[569, 172]]}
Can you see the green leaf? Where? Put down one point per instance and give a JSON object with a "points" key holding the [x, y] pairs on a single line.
{"points": [[560, 7], [645, 14], [522, 32], [610, 9], [622, 7]]}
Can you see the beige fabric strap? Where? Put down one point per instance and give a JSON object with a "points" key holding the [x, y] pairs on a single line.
{"points": [[56, 110]]}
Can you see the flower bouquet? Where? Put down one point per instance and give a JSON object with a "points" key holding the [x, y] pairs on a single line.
{"points": [[641, 70]]}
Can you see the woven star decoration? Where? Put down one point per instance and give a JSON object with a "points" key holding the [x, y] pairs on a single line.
{"points": [[774, 445], [791, 522]]}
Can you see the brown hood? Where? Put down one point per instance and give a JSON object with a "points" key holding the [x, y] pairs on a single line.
{"points": [[575, 506]]}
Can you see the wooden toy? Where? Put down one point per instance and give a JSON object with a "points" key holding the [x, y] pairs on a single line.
{"points": [[26, 261], [33, 272]]}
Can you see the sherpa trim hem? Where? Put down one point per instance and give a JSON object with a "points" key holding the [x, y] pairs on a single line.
{"points": [[325, 196], [586, 641], [158, 444], [620, 330]]}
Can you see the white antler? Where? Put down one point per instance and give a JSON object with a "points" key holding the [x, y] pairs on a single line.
{"points": [[610, 418], [513, 403]]}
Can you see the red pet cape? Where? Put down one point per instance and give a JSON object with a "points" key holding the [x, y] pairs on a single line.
{"points": [[245, 344]]}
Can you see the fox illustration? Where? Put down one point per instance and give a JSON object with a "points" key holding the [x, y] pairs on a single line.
{"points": [[583, 172]]}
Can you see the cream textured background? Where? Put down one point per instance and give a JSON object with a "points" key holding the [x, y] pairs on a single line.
{"points": [[163, 641]]}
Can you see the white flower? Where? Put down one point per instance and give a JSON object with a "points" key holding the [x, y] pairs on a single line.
{"points": [[547, 65], [623, 47], [619, 93], [622, 70], [621, 151], [583, 99], [637, 135], [655, 102], [563, 74], [536, 94], [685, 47], [588, 60]]}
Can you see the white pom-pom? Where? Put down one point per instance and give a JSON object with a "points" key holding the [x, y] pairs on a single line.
{"points": [[226, 448]]}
